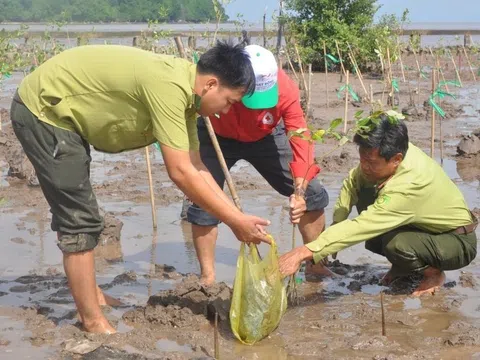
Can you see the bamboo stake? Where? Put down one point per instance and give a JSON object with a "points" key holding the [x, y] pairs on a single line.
{"points": [[437, 62], [390, 75], [291, 65], [340, 58], [350, 56], [326, 71], [419, 73], [180, 47], [150, 183], [346, 104], [456, 69], [383, 74], [215, 338], [469, 63], [301, 67], [401, 61], [309, 95], [432, 144], [357, 69], [384, 328]]}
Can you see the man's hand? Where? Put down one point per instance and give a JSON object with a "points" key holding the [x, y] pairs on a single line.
{"points": [[250, 229], [298, 207], [290, 262]]}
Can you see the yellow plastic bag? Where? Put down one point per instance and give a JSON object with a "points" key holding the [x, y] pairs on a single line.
{"points": [[259, 297]]}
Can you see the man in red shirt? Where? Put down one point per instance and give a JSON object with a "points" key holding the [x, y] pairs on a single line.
{"points": [[252, 130]]}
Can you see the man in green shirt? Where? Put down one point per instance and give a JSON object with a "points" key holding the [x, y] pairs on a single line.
{"points": [[119, 98], [409, 211]]}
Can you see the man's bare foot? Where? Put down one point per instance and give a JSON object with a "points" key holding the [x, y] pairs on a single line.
{"points": [[432, 280], [207, 280], [104, 299], [318, 270], [100, 326]]}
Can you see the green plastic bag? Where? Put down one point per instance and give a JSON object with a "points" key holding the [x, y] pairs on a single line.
{"points": [[259, 297]]}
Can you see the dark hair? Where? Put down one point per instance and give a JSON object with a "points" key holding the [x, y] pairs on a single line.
{"points": [[389, 137], [231, 64]]}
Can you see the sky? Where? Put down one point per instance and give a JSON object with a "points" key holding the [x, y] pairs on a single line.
{"points": [[420, 10]]}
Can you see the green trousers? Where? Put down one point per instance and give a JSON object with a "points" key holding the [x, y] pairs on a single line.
{"points": [[61, 160], [411, 250]]}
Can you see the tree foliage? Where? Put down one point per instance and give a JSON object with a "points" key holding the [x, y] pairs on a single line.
{"points": [[349, 22], [107, 10]]}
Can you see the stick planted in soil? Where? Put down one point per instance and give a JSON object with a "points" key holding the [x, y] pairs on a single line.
{"points": [[215, 338], [384, 328]]}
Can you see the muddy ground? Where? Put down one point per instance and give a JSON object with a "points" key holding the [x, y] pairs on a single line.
{"points": [[167, 315]]}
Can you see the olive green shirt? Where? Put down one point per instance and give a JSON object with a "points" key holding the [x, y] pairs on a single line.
{"points": [[116, 97], [419, 194]]}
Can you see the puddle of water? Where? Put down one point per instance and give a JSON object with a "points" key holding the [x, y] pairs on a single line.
{"points": [[412, 303], [14, 332], [170, 346]]}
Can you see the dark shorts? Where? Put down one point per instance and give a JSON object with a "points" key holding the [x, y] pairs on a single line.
{"points": [[270, 156], [411, 250], [61, 160]]}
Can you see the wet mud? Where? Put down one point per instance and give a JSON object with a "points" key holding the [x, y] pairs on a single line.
{"points": [[166, 314]]}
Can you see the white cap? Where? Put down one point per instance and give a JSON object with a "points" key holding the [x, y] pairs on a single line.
{"points": [[266, 74]]}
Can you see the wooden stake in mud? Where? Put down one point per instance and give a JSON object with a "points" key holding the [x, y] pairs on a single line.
{"points": [[357, 69], [432, 144], [305, 86], [384, 328], [346, 103], [150, 183], [340, 58], [419, 73], [456, 69], [291, 65], [309, 92], [390, 79], [180, 47], [384, 76], [359, 74], [437, 62], [469, 63], [401, 62], [326, 71], [371, 95], [264, 32], [215, 338]]}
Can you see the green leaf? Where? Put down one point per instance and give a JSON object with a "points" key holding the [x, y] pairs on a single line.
{"points": [[353, 94], [435, 107], [444, 83], [395, 85], [333, 59], [195, 57], [335, 123], [318, 135], [358, 114], [298, 133]]}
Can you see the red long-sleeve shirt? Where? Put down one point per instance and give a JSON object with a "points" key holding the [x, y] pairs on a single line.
{"points": [[246, 125]]}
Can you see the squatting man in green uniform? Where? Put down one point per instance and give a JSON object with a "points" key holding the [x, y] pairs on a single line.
{"points": [[119, 98], [410, 211]]}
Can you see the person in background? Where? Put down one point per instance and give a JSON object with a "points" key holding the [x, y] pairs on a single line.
{"points": [[253, 130]]}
